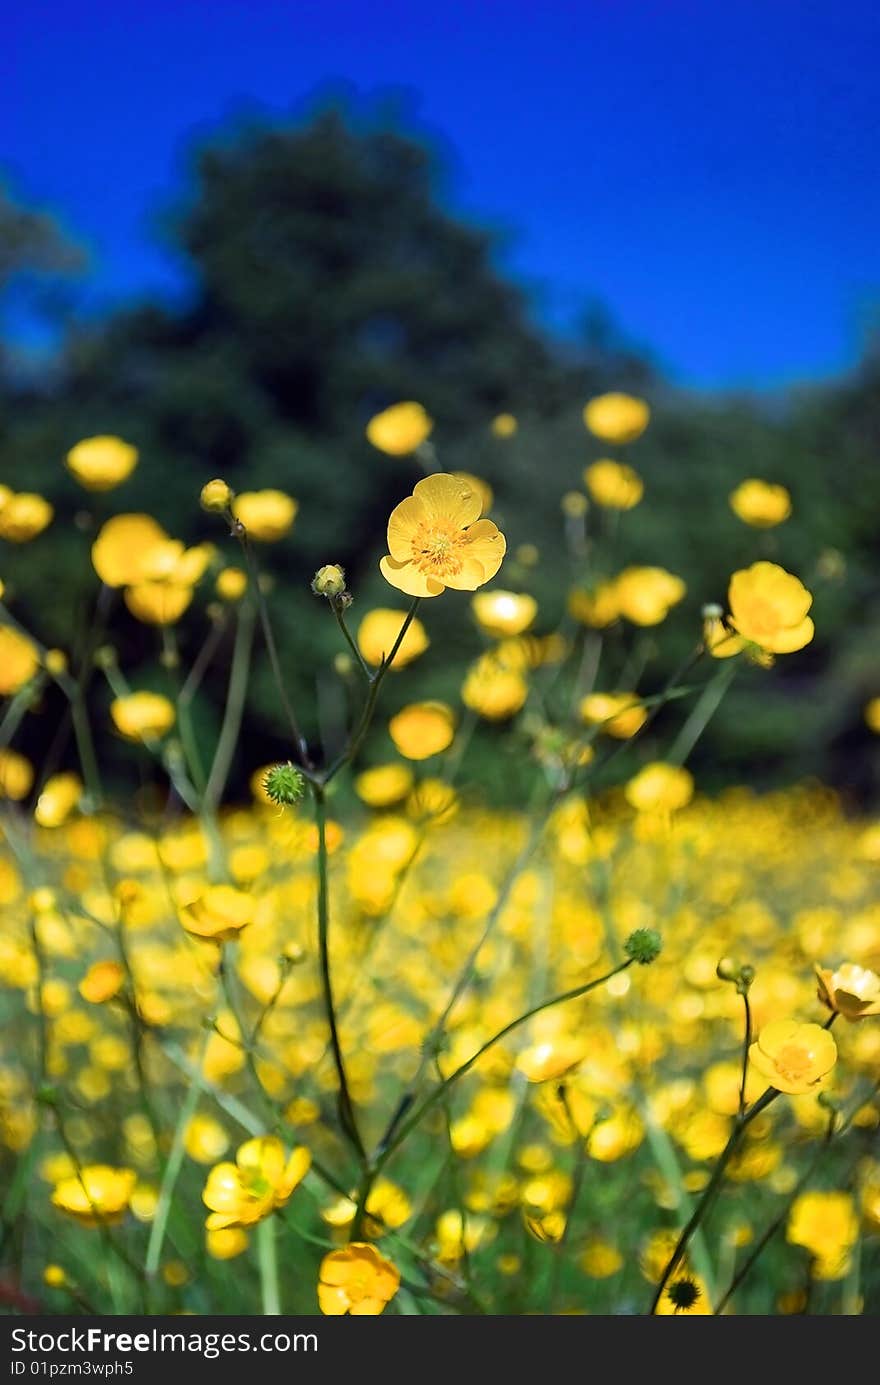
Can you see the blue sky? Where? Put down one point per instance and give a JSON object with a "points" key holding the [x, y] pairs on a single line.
{"points": [[709, 171]]}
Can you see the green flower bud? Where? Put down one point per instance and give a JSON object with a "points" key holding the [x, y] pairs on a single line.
{"points": [[329, 581], [284, 785], [644, 945]]}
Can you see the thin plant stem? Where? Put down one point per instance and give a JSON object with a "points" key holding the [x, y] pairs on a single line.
{"points": [[747, 1042], [359, 658], [267, 1258], [171, 1175], [234, 711]]}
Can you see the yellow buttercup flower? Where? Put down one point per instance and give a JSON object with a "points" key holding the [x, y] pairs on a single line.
{"points": [[16, 775], [266, 515], [597, 608], [645, 595], [504, 613], [102, 462], [205, 1140], [618, 714], [720, 641], [616, 417], [760, 504], [660, 788], [231, 584], [872, 715], [158, 603], [768, 607], [436, 539], [98, 1194], [851, 991], [379, 629], [59, 796], [122, 551], [216, 496], [356, 1280], [685, 1296], [142, 715], [503, 426], [551, 1059], [827, 1225], [219, 914], [793, 1057], [383, 785], [226, 1242], [24, 516], [613, 484], [261, 1180], [493, 688], [400, 429], [102, 982], [422, 729]]}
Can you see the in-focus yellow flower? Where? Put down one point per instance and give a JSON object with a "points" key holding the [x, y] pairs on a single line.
{"points": [[216, 496], [400, 429], [231, 584], [613, 484], [266, 515], [19, 660], [827, 1225], [504, 613], [619, 714], [597, 608], [356, 1280], [493, 689], [102, 982], [24, 516], [59, 796], [16, 775], [219, 914], [616, 417], [436, 539], [872, 715], [383, 785], [122, 551], [97, 1194], [142, 715], [660, 788], [261, 1180], [503, 426], [768, 607], [793, 1057], [379, 629], [102, 462], [645, 595], [422, 729], [851, 991], [760, 504]]}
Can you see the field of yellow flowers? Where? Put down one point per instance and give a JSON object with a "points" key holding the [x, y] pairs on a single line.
{"points": [[365, 1044]]}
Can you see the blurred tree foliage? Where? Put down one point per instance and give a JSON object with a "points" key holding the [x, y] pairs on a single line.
{"points": [[327, 281]]}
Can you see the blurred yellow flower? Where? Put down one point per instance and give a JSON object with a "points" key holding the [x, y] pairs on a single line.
{"points": [[96, 1194], [219, 914], [503, 426], [597, 608], [231, 584], [102, 462], [613, 484], [619, 714], [356, 1280], [616, 417], [851, 991], [122, 551], [142, 715], [226, 1242], [16, 775], [157, 603], [827, 1225], [645, 595], [24, 516], [872, 715], [684, 1297], [476, 483], [59, 796], [400, 429], [493, 689], [660, 788], [768, 607], [503, 613], [379, 629], [261, 1180], [551, 1059], [205, 1140], [760, 503], [102, 982], [266, 515], [436, 539], [383, 785], [793, 1057], [422, 729]]}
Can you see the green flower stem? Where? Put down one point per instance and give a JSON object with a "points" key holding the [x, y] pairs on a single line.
{"points": [[267, 1256], [707, 705], [359, 658], [377, 678], [710, 1192], [234, 711], [346, 1106], [171, 1175], [747, 1043], [408, 1125], [300, 744]]}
